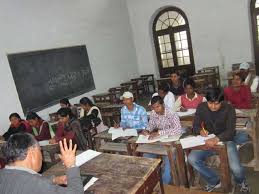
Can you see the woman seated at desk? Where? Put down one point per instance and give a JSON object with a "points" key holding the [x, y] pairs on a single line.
{"points": [[91, 115], [40, 128], [238, 94], [17, 125], [69, 127], [189, 100]]}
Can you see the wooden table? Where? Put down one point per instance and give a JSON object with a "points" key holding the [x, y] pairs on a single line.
{"points": [[50, 150], [224, 167], [178, 171], [119, 174], [253, 131]]}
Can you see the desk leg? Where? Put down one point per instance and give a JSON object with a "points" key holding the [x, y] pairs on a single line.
{"points": [[224, 170], [172, 165], [97, 143], [181, 166]]}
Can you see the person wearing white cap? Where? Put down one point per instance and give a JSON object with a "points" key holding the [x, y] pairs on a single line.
{"points": [[132, 114], [244, 70]]}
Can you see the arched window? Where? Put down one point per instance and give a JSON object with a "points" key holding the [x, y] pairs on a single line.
{"points": [[255, 29], [173, 42]]}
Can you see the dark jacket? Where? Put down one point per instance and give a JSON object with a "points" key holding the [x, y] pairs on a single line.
{"points": [[14, 181], [23, 127], [222, 123], [73, 131]]}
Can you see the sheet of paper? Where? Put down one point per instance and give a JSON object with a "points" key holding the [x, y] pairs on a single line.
{"points": [[171, 138], [238, 111], [44, 143], [187, 113], [123, 133], [144, 139], [113, 130], [193, 141], [86, 156], [90, 183]]}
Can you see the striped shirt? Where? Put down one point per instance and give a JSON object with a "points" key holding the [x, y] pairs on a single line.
{"points": [[168, 123], [137, 118]]}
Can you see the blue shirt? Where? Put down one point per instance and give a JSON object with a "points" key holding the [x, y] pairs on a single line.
{"points": [[137, 118]]}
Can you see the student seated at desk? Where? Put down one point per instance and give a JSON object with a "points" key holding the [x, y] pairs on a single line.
{"points": [[162, 122], [24, 161], [238, 94], [132, 114], [17, 125], [176, 84], [64, 103], [166, 95], [69, 128], [40, 128], [91, 114], [219, 118], [189, 100]]}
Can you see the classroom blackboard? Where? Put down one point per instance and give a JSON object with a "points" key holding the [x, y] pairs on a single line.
{"points": [[43, 77]]}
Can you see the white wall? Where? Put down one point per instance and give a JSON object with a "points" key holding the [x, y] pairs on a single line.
{"points": [[103, 25], [220, 31]]}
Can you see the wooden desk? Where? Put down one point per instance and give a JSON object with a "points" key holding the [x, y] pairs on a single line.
{"points": [[178, 171], [150, 82], [50, 150], [119, 174], [163, 80], [224, 167], [253, 131]]}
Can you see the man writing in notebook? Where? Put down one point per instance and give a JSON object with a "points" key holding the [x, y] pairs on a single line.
{"points": [[132, 115], [162, 122], [217, 117]]}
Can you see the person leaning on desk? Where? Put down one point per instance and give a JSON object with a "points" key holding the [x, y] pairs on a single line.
{"points": [[217, 117], [24, 161]]}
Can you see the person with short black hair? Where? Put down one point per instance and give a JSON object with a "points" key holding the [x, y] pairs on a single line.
{"points": [[24, 161], [40, 128], [238, 94], [176, 84], [65, 103], [17, 125], [189, 100], [162, 122], [167, 96], [90, 115], [69, 128], [219, 118]]}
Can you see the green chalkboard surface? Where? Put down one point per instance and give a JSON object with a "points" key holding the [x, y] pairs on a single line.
{"points": [[42, 78]]}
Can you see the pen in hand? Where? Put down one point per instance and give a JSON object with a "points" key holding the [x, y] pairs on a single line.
{"points": [[203, 131]]}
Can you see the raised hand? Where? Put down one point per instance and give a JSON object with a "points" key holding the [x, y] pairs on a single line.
{"points": [[68, 154]]}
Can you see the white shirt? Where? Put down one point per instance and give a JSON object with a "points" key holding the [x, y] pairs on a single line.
{"points": [[169, 100]]}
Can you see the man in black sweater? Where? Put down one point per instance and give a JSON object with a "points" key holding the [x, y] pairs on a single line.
{"points": [[217, 117]]}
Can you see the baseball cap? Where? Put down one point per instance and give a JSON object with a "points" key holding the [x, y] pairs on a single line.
{"points": [[244, 65], [127, 95]]}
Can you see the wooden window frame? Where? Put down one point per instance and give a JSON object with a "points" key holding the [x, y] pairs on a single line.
{"points": [[165, 72], [255, 12]]}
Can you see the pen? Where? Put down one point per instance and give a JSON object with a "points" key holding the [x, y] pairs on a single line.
{"points": [[202, 128]]}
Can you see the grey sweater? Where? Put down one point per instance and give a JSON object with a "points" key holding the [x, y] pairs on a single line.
{"points": [[14, 181]]}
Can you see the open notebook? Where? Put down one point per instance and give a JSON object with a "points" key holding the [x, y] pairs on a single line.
{"points": [[161, 138]]}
